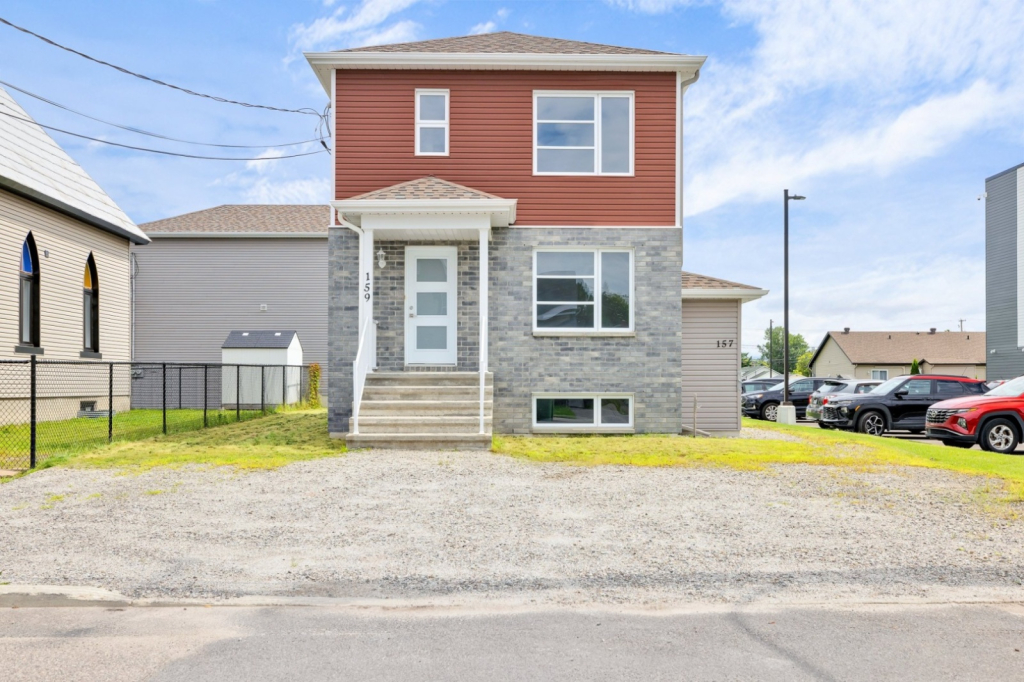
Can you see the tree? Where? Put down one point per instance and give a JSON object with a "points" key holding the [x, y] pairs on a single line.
{"points": [[803, 363], [797, 347], [745, 360], [914, 369]]}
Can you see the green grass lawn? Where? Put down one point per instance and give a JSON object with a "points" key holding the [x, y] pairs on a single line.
{"points": [[814, 447], [267, 443]]}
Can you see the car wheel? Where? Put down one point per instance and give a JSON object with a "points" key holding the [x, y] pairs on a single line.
{"points": [[872, 423], [957, 444], [999, 435], [770, 411]]}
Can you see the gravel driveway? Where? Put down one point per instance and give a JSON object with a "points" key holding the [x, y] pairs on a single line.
{"points": [[460, 526]]}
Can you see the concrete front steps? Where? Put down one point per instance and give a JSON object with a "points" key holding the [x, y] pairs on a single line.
{"points": [[424, 410]]}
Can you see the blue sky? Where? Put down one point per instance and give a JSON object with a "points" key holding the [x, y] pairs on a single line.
{"points": [[886, 115]]}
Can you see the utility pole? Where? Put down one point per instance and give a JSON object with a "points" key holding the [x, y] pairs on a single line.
{"points": [[962, 320], [771, 353]]}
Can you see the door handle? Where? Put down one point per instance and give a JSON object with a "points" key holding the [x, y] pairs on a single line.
{"points": [[412, 314]]}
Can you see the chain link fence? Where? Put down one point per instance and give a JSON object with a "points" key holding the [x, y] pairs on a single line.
{"points": [[58, 407]]}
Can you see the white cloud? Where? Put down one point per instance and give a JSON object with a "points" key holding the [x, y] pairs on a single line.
{"points": [[263, 190], [362, 26], [503, 13], [652, 6], [485, 27]]}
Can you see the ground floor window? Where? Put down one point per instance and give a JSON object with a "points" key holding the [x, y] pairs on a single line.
{"points": [[880, 374], [583, 411]]}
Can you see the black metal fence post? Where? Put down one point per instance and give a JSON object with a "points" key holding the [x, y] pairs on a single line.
{"points": [[180, 368], [206, 390], [110, 405], [32, 414], [284, 385], [238, 393], [163, 397], [263, 402]]}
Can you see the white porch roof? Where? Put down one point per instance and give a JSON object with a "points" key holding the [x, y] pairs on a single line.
{"points": [[427, 208]]}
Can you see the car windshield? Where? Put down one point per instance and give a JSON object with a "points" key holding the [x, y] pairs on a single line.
{"points": [[1011, 389], [886, 387]]}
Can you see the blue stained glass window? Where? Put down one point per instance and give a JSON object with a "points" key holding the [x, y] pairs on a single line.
{"points": [[27, 266]]}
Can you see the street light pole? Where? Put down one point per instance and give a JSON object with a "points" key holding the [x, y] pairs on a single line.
{"points": [[771, 351], [785, 293]]}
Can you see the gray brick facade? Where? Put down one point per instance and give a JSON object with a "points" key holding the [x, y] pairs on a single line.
{"points": [[647, 364]]}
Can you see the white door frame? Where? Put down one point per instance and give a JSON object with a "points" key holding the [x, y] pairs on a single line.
{"points": [[448, 356]]}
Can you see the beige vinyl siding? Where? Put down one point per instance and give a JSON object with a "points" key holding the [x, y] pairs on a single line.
{"points": [[191, 292], [68, 243], [968, 371], [833, 362], [711, 374]]}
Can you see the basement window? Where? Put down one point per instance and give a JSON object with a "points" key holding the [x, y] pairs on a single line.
{"points": [[583, 412]]}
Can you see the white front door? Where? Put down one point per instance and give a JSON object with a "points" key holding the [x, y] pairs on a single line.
{"points": [[430, 305]]}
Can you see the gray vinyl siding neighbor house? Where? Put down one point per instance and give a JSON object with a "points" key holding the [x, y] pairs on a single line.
{"points": [[1004, 277], [226, 268]]}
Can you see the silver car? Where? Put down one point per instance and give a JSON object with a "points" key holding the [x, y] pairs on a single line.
{"points": [[834, 386]]}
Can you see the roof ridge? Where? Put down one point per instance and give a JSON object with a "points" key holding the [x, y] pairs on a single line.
{"points": [[486, 43]]}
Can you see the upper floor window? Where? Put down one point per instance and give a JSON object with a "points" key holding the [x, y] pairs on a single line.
{"points": [[90, 307], [583, 133], [431, 123], [579, 290], [28, 318]]}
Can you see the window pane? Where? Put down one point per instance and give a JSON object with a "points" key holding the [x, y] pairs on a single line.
{"points": [[432, 141], [579, 263], [565, 108], [614, 411], [802, 387], [26, 259], [565, 160], [431, 269], [574, 316], [565, 289], [615, 290], [918, 387], [26, 311], [614, 134], [565, 411], [87, 306], [949, 388], [431, 303], [431, 338], [565, 134], [431, 107]]}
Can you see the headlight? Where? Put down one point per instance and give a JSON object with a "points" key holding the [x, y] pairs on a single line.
{"points": [[756, 396], [842, 403], [963, 410]]}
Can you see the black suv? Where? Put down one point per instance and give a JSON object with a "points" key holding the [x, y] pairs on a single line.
{"points": [[899, 404], [765, 405]]}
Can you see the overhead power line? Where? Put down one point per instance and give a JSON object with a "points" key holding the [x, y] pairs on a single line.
{"points": [[150, 134], [304, 110], [164, 152]]}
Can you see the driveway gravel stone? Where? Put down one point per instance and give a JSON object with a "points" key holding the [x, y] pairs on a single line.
{"points": [[461, 526]]}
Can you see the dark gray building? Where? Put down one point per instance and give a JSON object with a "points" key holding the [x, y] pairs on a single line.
{"points": [[231, 267], [1004, 278]]}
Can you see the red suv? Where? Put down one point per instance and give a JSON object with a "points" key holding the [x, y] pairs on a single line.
{"points": [[995, 421]]}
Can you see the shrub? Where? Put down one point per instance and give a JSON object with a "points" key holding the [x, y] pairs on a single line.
{"points": [[314, 384]]}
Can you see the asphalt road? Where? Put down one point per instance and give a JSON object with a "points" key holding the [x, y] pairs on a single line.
{"points": [[111, 642]]}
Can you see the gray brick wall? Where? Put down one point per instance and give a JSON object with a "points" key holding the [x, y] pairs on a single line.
{"points": [[647, 364]]}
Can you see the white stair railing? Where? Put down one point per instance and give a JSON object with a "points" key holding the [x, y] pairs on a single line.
{"points": [[365, 362]]}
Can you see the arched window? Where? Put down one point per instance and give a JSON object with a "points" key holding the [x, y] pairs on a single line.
{"points": [[91, 307], [28, 318]]}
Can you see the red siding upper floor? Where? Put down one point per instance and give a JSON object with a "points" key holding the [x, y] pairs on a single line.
{"points": [[491, 142]]}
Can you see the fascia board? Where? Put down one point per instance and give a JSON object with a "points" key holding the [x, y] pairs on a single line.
{"points": [[237, 235], [505, 208], [744, 295], [324, 62]]}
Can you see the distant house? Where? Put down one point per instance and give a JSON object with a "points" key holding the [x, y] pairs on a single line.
{"points": [[884, 355], [1004, 275], [226, 268]]}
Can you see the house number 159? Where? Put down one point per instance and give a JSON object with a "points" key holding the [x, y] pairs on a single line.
{"points": [[366, 288], [724, 343]]}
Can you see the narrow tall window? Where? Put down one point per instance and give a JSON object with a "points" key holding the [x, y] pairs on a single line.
{"points": [[28, 318], [431, 123], [90, 307]]}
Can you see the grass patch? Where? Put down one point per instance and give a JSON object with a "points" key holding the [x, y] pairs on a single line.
{"points": [[813, 447], [267, 443]]}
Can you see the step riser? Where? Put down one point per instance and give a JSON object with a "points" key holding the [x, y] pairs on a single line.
{"points": [[425, 379], [390, 411], [442, 425], [419, 442], [424, 393]]}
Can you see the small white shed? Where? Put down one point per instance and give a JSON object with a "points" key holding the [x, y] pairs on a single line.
{"points": [[263, 367]]}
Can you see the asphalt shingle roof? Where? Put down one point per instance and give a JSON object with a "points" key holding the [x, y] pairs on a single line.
{"points": [[259, 339], [249, 218], [503, 42], [426, 188], [692, 280], [896, 348]]}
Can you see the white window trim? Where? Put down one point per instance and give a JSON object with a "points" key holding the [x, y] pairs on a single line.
{"points": [[433, 124], [596, 94], [597, 330], [880, 378], [597, 426]]}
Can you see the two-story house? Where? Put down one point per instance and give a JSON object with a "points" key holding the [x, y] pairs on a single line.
{"points": [[505, 244]]}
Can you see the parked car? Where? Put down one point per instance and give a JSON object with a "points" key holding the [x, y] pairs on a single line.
{"points": [[755, 385], [833, 387], [899, 404], [994, 420], [765, 404]]}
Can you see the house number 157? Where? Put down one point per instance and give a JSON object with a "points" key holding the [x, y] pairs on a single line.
{"points": [[724, 343]]}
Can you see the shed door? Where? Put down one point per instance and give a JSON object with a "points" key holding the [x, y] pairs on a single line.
{"points": [[430, 305]]}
